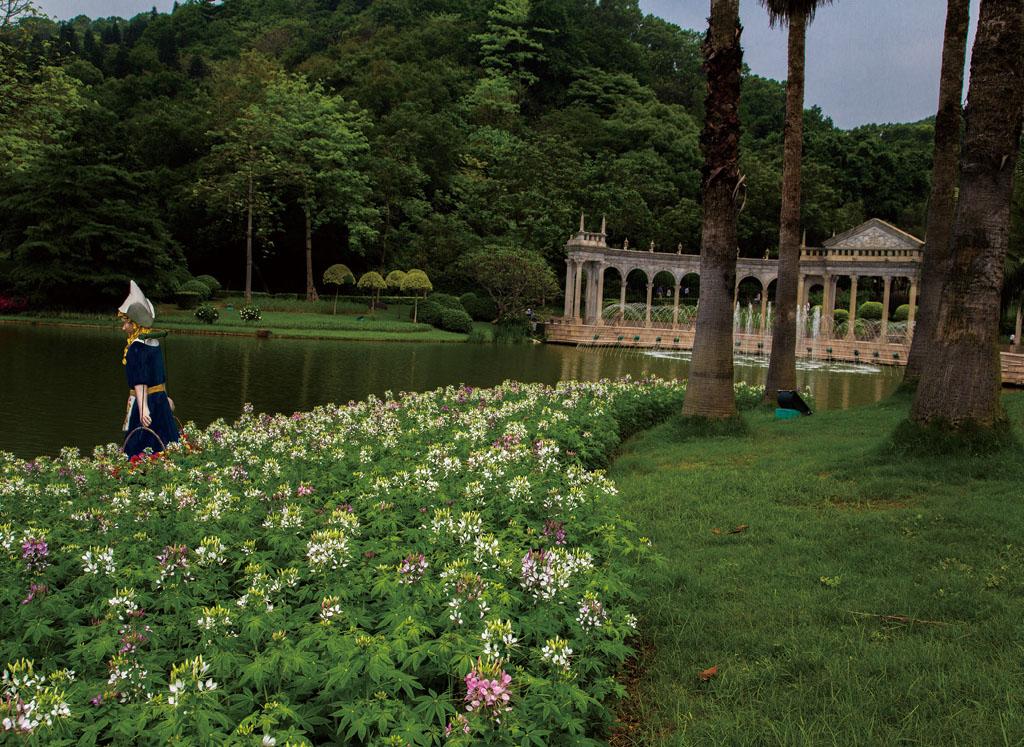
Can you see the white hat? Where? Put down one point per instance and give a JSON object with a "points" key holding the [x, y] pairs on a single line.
{"points": [[137, 307]]}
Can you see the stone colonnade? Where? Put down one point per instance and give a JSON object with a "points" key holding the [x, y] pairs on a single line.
{"points": [[873, 249]]}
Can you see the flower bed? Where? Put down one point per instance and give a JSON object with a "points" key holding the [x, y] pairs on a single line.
{"points": [[431, 567]]}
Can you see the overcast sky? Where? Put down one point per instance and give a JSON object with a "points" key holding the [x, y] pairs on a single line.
{"points": [[867, 60]]}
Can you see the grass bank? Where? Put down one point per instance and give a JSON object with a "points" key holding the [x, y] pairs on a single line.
{"points": [[869, 600], [283, 319]]}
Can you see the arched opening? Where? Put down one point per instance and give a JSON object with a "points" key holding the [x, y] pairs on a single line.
{"points": [[614, 283], [631, 306]]}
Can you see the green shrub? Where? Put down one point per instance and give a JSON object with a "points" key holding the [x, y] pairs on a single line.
{"points": [[870, 310], [840, 315], [478, 336], [456, 320], [187, 299], [197, 287], [250, 313], [446, 301], [207, 313], [210, 282], [902, 312], [512, 328], [481, 308], [429, 313]]}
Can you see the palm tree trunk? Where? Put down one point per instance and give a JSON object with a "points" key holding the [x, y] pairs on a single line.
{"points": [[963, 382], [709, 391], [782, 365], [940, 204]]}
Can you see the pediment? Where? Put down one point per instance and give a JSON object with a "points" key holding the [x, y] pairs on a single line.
{"points": [[874, 234]]}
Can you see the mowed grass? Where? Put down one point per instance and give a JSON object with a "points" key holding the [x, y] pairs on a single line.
{"points": [[294, 319], [794, 609]]}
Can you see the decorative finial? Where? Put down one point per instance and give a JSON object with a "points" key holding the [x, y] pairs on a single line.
{"points": [[602, 226], [581, 223]]}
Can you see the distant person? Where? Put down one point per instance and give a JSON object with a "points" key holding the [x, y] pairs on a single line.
{"points": [[149, 422]]}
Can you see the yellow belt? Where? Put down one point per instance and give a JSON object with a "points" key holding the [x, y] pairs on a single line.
{"points": [[151, 389]]}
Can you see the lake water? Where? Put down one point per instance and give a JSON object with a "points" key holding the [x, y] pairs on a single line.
{"points": [[65, 386]]}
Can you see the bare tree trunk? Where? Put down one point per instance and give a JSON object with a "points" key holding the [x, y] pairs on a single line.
{"points": [[248, 246], [782, 365], [709, 391], [311, 294], [940, 203], [963, 381]]}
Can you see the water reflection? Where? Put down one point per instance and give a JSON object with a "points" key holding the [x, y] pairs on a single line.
{"points": [[65, 386]]}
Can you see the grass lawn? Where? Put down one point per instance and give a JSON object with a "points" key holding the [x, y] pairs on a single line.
{"points": [[872, 600], [284, 319]]}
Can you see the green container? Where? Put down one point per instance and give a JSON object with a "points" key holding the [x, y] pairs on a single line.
{"points": [[784, 413]]}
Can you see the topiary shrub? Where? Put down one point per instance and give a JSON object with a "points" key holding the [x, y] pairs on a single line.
{"points": [[429, 313], [207, 313], [481, 308], [197, 287], [902, 312], [187, 299], [456, 320], [210, 282], [446, 301], [840, 315], [870, 310]]}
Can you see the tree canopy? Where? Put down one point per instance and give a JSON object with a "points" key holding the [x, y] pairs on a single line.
{"points": [[415, 134]]}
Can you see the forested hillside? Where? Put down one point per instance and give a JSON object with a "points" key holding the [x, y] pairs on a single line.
{"points": [[404, 133]]}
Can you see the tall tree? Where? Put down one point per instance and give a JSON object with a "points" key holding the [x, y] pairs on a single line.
{"points": [[940, 204], [315, 142], [962, 384], [37, 103], [797, 14], [241, 160], [709, 391], [12, 10], [513, 278]]}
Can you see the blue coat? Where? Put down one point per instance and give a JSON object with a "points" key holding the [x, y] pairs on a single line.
{"points": [[144, 364]]}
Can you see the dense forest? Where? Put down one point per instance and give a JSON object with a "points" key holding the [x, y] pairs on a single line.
{"points": [[395, 134]]}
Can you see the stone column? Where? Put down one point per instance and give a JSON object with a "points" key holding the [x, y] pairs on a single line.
{"points": [[675, 308], [650, 291], [853, 308], [577, 290], [801, 329], [885, 308], [827, 305], [590, 314], [764, 308], [599, 308], [913, 303], [1016, 330], [622, 299], [568, 288]]}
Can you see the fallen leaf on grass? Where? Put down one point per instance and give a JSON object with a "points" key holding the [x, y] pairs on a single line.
{"points": [[737, 530], [708, 673]]}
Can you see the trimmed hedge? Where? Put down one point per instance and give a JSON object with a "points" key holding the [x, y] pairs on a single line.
{"points": [[187, 299], [480, 308], [840, 315], [446, 300], [456, 320], [871, 310], [196, 286], [210, 282], [429, 313], [902, 312]]}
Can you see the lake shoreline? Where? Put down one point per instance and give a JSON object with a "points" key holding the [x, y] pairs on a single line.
{"points": [[267, 332]]}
